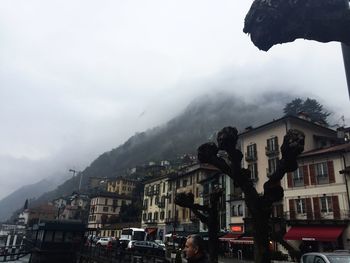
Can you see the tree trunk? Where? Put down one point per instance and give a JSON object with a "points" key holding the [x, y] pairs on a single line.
{"points": [[261, 240], [213, 228]]}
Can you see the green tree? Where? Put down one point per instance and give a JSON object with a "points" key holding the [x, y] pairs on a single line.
{"points": [[311, 107]]}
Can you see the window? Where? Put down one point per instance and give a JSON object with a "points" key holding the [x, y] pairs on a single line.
{"points": [[191, 179], [272, 166], [156, 200], [169, 214], [115, 202], [233, 211], [197, 192], [326, 204], [169, 186], [251, 151], [178, 183], [150, 201], [301, 206], [149, 216], [272, 144], [184, 182], [184, 213], [240, 210], [321, 170], [144, 216], [163, 187], [162, 215], [253, 168], [298, 177], [155, 216], [105, 209], [106, 201]]}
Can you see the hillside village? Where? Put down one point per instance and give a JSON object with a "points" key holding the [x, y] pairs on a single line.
{"points": [[315, 210]]}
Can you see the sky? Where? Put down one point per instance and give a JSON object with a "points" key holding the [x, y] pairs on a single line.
{"points": [[78, 78]]}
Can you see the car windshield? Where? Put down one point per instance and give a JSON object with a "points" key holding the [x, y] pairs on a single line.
{"points": [[339, 258]]}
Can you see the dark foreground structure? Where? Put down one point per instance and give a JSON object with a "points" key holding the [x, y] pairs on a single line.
{"points": [[56, 241]]}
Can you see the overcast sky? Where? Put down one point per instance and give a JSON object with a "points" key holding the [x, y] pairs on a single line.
{"points": [[78, 78]]}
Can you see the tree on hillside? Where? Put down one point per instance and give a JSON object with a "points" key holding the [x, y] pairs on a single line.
{"points": [[311, 107]]}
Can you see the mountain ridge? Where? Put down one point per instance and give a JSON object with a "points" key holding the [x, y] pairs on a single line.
{"points": [[197, 124]]}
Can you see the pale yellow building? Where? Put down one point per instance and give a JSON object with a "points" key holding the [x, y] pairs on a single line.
{"points": [[160, 215], [121, 186]]}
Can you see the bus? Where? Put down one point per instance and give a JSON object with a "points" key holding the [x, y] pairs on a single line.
{"points": [[133, 233]]}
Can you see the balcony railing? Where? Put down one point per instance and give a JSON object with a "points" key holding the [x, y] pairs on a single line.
{"points": [[269, 173], [251, 157], [170, 220], [334, 215], [236, 196], [150, 192], [151, 221], [161, 204], [272, 152]]}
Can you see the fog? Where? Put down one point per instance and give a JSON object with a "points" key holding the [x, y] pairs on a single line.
{"points": [[79, 78]]}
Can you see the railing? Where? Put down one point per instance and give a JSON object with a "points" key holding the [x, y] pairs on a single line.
{"points": [[237, 196], [269, 173], [340, 215], [251, 157], [151, 221], [161, 204], [272, 152], [15, 252], [119, 254]]}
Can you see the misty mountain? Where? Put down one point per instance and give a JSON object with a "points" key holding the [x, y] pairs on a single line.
{"points": [[197, 124], [16, 199]]}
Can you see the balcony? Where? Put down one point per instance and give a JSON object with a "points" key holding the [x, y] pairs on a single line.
{"points": [[151, 222], [150, 192], [318, 217], [235, 196], [144, 207], [269, 173], [251, 157], [171, 220], [161, 204], [272, 152]]}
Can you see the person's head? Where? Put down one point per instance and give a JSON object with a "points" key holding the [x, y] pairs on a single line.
{"points": [[194, 247]]}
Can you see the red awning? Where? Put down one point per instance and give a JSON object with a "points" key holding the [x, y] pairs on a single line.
{"points": [[314, 233], [243, 240], [151, 230], [229, 237]]}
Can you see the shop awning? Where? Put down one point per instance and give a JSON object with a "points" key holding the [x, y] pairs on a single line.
{"points": [[243, 241], [151, 230], [229, 237], [314, 233]]}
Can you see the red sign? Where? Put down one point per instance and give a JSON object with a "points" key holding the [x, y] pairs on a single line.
{"points": [[237, 229]]}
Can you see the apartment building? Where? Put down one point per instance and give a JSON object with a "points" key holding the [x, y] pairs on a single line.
{"points": [[121, 186], [317, 200], [161, 216], [261, 149], [155, 201], [105, 207]]}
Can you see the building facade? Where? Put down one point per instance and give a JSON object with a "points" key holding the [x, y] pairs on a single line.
{"points": [[105, 209]]}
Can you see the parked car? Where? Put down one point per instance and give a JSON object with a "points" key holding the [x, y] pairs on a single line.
{"points": [[148, 247], [323, 257], [104, 241], [160, 242]]}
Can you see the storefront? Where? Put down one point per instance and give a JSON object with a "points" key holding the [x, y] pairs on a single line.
{"points": [[316, 238]]}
